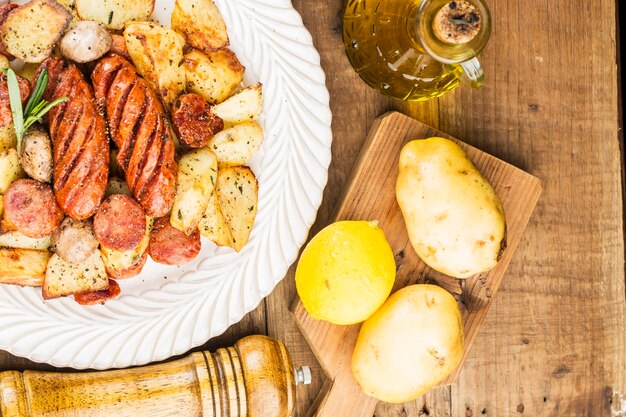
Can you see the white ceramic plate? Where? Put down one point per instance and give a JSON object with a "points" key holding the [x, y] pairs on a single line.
{"points": [[167, 310]]}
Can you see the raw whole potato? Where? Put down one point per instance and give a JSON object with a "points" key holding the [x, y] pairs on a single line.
{"points": [[409, 345], [454, 218], [157, 52], [245, 106], [31, 31], [201, 22], [197, 175], [113, 14], [213, 75], [86, 41]]}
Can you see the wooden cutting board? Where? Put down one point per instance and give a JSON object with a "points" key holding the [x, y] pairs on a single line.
{"points": [[370, 195]]}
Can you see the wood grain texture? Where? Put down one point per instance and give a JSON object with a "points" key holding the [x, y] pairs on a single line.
{"points": [[370, 195], [555, 335]]}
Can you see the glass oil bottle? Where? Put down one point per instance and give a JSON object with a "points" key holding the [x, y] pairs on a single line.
{"points": [[416, 49]]}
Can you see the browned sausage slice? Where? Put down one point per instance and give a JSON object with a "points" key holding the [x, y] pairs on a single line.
{"points": [[170, 246], [88, 298], [194, 121], [119, 223], [30, 207]]}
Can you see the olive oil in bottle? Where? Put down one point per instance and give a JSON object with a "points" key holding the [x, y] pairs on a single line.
{"points": [[416, 49]]}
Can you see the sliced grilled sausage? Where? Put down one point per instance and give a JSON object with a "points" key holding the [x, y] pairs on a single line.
{"points": [[119, 223], [139, 128], [194, 122], [89, 298], [170, 246], [79, 142], [30, 207]]}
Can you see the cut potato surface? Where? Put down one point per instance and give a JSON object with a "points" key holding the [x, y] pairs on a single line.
{"points": [[236, 145], [157, 52], [197, 172], [11, 238], [213, 224], [63, 278], [113, 14], [245, 106], [201, 22], [10, 169], [24, 267], [214, 75], [31, 31], [237, 191]]}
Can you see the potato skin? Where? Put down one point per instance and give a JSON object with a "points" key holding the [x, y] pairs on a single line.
{"points": [[409, 345], [454, 218]]}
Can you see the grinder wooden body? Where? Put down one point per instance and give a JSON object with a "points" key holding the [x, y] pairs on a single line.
{"points": [[254, 378]]}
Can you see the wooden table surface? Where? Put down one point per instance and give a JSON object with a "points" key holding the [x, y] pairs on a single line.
{"points": [[555, 337]]}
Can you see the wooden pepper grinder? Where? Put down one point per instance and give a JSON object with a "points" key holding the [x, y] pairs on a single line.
{"points": [[254, 378]]}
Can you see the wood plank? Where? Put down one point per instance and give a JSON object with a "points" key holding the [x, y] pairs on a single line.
{"points": [[370, 195]]}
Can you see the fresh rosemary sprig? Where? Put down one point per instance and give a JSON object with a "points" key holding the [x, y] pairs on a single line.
{"points": [[36, 108]]}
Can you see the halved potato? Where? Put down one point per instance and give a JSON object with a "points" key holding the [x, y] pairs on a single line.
{"points": [[202, 24], [236, 145], [213, 224], [214, 75], [24, 267], [116, 260], [245, 106], [10, 169], [11, 238], [113, 14], [63, 278], [197, 172], [237, 191], [31, 31], [157, 52]]}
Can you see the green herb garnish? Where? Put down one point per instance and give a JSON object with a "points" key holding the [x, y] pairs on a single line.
{"points": [[36, 108]]}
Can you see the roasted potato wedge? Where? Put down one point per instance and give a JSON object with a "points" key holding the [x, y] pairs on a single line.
{"points": [[31, 31], [70, 5], [116, 260], [24, 267], [237, 192], [214, 75], [10, 169], [244, 106], [213, 224], [116, 186], [236, 145], [202, 24], [63, 278], [197, 172], [157, 52], [11, 238], [113, 14]]}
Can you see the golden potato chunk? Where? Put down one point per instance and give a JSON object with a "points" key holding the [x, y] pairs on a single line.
{"points": [[24, 267], [202, 24], [214, 75]]}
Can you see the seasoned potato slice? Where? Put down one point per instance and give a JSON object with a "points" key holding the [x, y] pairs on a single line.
{"points": [[237, 191], [213, 224], [11, 238], [63, 278], [30, 31], [113, 14], [197, 172], [236, 145], [214, 75], [24, 267], [201, 22], [116, 186], [244, 106], [116, 260], [10, 169], [8, 139], [157, 52]]}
